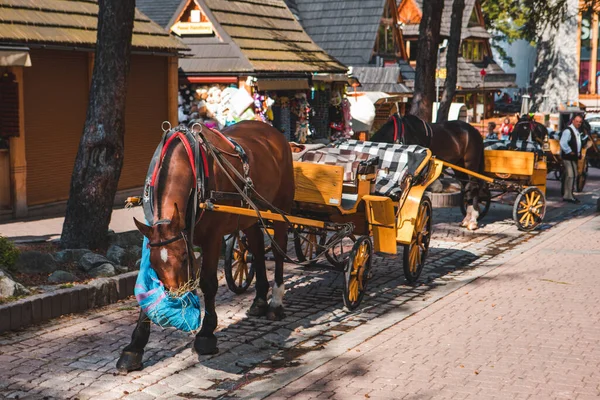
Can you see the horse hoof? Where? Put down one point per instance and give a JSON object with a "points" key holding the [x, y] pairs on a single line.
{"points": [[130, 361], [276, 313], [205, 345], [258, 308], [473, 226]]}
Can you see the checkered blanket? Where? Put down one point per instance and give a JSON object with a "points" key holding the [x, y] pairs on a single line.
{"points": [[348, 159], [395, 161], [519, 145]]}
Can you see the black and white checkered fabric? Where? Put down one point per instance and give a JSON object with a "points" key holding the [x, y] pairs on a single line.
{"points": [[519, 145], [395, 161]]}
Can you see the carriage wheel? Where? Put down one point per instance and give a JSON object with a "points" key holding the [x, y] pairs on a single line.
{"points": [[339, 253], [485, 200], [239, 271], [308, 245], [529, 208], [582, 178], [415, 253], [357, 272]]}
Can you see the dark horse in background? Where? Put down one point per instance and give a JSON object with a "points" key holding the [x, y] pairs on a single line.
{"points": [[267, 150], [456, 142], [530, 130]]}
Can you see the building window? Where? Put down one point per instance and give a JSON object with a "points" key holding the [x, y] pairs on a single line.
{"points": [[411, 48], [473, 51]]}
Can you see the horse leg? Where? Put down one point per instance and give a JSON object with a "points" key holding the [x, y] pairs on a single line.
{"points": [[473, 223], [131, 357], [206, 341], [256, 244], [276, 306]]}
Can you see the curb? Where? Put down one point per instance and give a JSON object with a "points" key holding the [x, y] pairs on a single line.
{"points": [[43, 307]]}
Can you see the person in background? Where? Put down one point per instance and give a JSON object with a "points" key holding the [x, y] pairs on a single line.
{"points": [[571, 143], [491, 135], [505, 129]]}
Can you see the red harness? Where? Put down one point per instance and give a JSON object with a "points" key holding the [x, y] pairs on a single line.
{"points": [[396, 129], [188, 150]]}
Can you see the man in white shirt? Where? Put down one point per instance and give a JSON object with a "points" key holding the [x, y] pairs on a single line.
{"points": [[570, 152]]}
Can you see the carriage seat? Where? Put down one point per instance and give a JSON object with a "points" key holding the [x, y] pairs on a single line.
{"points": [[355, 163]]}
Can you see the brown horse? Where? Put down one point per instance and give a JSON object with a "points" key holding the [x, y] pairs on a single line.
{"points": [[456, 142], [271, 172]]}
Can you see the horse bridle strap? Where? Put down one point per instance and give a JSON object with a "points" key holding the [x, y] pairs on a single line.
{"points": [[396, 129], [166, 242]]}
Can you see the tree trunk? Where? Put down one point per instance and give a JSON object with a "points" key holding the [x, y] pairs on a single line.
{"points": [[452, 52], [100, 156], [429, 39]]}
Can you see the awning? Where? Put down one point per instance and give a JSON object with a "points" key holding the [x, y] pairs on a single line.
{"points": [[14, 57], [282, 84]]}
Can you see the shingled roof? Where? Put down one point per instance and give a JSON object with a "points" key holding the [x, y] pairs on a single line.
{"points": [[252, 36], [346, 29], [467, 31], [72, 23], [469, 77], [380, 79]]}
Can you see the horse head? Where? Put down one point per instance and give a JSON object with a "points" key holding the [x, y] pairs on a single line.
{"points": [[407, 129], [171, 254]]}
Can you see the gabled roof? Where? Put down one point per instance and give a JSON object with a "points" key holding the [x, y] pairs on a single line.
{"points": [[346, 29], [270, 37], [162, 11], [258, 36], [72, 23], [469, 77], [380, 79], [467, 31]]}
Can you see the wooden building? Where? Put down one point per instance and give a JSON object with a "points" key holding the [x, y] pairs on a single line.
{"points": [[364, 35], [258, 46], [474, 88], [46, 63]]}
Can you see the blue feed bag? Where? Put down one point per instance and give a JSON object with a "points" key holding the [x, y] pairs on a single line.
{"points": [[164, 310]]}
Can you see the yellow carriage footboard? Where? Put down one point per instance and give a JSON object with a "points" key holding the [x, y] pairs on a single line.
{"points": [[382, 222]]}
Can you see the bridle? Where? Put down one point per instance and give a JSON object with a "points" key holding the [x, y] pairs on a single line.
{"points": [[181, 235]]}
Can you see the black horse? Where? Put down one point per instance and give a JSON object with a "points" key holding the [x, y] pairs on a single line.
{"points": [[456, 142], [528, 129]]}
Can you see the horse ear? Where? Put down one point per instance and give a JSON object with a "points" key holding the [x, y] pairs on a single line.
{"points": [[176, 219], [143, 228]]}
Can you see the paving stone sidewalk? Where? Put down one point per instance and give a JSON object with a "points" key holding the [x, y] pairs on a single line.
{"points": [[529, 329], [75, 356]]}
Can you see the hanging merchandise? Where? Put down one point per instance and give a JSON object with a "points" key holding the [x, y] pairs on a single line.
{"points": [[262, 108], [347, 132], [338, 129], [301, 108]]}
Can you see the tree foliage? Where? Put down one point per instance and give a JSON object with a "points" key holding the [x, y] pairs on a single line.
{"points": [[511, 20]]}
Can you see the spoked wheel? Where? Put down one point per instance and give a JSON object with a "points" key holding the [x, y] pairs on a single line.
{"points": [[582, 178], [415, 253], [308, 245], [239, 272], [338, 255], [357, 272], [529, 208], [485, 201]]}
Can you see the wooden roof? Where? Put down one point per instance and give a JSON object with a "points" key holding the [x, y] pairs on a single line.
{"points": [[270, 37], [72, 23], [346, 29]]}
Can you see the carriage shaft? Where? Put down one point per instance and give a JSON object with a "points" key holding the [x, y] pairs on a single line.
{"points": [[469, 172], [263, 214]]}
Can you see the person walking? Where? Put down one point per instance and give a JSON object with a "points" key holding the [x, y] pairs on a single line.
{"points": [[570, 152]]}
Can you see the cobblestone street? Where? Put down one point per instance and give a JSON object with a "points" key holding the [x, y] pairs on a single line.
{"points": [[75, 356]]}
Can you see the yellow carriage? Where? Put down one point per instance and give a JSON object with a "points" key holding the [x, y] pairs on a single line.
{"points": [[511, 171], [351, 201]]}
